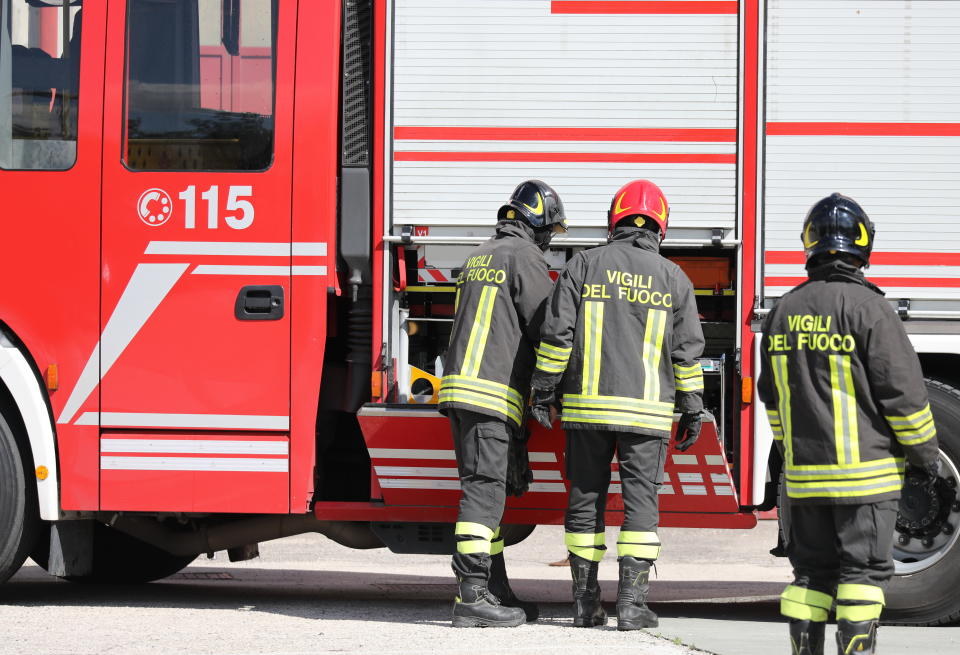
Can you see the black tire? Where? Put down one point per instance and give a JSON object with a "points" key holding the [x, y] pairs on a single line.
{"points": [[19, 516], [929, 597], [119, 558], [515, 533]]}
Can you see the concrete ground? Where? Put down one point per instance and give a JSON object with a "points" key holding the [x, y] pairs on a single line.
{"points": [[715, 591]]}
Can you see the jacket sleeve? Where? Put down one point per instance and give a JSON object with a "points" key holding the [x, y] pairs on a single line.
{"points": [[765, 384], [530, 287], [559, 326], [896, 382], [687, 346]]}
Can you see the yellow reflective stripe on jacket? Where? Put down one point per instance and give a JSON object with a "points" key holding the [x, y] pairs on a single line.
{"points": [[588, 546], [887, 466], [592, 343], [688, 378], [616, 418], [843, 488], [865, 592], [913, 429], [625, 403], [774, 417], [782, 382], [805, 604], [643, 545], [479, 332], [844, 410], [482, 393], [652, 352], [617, 410], [552, 359]]}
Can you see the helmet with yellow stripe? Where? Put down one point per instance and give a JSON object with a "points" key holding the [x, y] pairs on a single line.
{"points": [[643, 204], [537, 204], [837, 224]]}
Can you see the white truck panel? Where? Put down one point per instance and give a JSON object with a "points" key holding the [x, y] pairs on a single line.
{"points": [[513, 64], [892, 69]]}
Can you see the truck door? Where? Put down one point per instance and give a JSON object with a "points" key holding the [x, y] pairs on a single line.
{"points": [[197, 256]]}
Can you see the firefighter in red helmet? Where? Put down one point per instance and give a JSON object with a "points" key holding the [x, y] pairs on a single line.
{"points": [[847, 403], [619, 349]]}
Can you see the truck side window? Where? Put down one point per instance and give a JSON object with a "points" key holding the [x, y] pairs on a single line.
{"points": [[200, 84], [39, 83]]}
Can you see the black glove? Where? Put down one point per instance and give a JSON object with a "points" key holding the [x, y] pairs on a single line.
{"points": [[927, 475], [543, 400], [688, 429], [519, 475]]}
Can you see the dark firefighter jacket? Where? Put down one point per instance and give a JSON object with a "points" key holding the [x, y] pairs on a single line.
{"points": [[843, 389], [621, 337], [501, 293]]}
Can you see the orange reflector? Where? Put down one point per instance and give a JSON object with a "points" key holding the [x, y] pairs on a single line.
{"points": [[42, 473], [746, 391], [376, 385], [52, 377]]}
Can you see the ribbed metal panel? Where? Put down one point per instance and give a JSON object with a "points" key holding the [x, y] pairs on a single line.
{"points": [[356, 82], [513, 64], [893, 66]]}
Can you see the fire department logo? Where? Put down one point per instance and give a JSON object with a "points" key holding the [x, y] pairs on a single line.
{"points": [[155, 207]]}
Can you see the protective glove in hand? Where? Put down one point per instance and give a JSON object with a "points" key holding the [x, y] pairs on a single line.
{"points": [[519, 475], [544, 400], [688, 430], [928, 474]]}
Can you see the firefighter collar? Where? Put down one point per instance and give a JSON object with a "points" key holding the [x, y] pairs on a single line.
{"points": [[515, 229], [639, 237], [841, 271]]}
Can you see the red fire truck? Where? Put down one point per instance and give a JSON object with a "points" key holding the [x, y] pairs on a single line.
{"points": [[233, 227]]}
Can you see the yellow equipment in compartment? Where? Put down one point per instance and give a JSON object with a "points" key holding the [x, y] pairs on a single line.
{"points": [[424, 387]]}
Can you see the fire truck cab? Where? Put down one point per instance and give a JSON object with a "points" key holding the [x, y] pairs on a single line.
{"points": [[234, 227]]}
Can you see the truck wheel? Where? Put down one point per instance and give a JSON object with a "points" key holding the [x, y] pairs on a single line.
{"points": [[19, 519], [119, 558], [926, 551]]}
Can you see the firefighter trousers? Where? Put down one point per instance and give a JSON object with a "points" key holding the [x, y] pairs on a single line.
{"points": [[481, 444], [837, 551], [641, 460]]}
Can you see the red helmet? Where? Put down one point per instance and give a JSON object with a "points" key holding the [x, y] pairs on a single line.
{"points": [[640, 198]]}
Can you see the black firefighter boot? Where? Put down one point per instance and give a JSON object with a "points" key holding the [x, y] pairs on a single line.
{"points": [[632, 610], [856, 637], [499, 586], [476, 607], [806, 637], [587, 610]]}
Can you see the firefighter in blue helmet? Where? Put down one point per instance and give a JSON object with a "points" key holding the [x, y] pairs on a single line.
{"points": [[847, 403], [500, 299]]}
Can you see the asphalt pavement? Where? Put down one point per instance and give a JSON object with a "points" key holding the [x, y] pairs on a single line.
{"points": [[715, 590]]}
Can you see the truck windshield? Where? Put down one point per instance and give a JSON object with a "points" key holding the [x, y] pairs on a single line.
{"points": [[39, 83], [200, 84]]}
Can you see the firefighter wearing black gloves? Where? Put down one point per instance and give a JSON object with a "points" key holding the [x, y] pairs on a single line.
{"points": [[623, 334], [846, 400], [501, 292]]}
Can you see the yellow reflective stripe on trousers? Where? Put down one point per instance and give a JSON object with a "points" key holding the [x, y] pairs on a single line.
{"points": [[688, 378], [592, 342], [496, 545], [859, 612], [652, 351], [480, 537], [805, 604], [844, 410], [865, 592], [782, 381], [589, 546], [642, 545], [479, 332]]}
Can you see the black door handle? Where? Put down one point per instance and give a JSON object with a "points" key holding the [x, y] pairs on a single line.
{"points": [[259, 303]]}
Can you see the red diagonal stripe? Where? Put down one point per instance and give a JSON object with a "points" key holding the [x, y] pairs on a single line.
{"points": [[863, 129], [430, 133], [638, 7], [581, 157]]}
